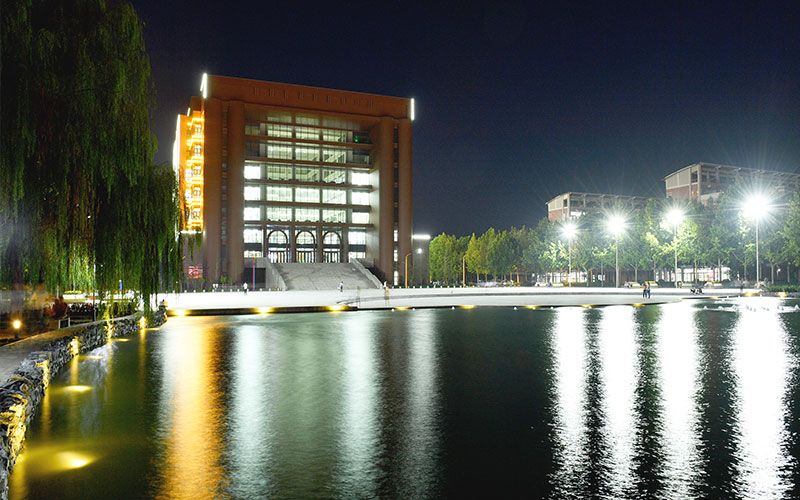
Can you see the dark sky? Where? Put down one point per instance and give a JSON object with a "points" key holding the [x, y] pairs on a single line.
{"points": [[515, 103]]}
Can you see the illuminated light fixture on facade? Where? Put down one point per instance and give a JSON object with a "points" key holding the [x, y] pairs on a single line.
{"points": [[204, 86], [425, 237], [412, 109]]}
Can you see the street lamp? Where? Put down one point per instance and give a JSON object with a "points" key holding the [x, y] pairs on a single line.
{"points": [[756, 207], [616, 225], [569, 231], [675, 219]]}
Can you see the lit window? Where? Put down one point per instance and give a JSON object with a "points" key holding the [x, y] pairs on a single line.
{"points": [[360, 198], [279, 213], [306, 174], [334, 155], [279, 131], [360, 178], [252, 172], [306, 195], [357, 238], [306, 214], [307, 154], [334, 175], [333, 215], [334, 196], [252, 213], [252, 193], [253, 235], [279, 193], [334, 135], [360, 217], [306, 133], [279, 151], [302, 119], [277, 172]]}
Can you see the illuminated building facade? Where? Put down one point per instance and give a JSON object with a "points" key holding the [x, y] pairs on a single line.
{"points": [[705, 181], [273, 172], [572, 205]]}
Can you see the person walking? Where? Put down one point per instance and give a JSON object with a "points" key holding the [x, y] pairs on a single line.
{"points": [[644, 290], [341, 286], [648, 289], [245, 287]]}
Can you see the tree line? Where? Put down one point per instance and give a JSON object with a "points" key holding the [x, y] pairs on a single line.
{"points": [[81, 202], [710, 236]]}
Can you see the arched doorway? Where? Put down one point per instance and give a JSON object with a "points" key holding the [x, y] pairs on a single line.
{"points": [[331, 247], [305, 244], [278, 246]]}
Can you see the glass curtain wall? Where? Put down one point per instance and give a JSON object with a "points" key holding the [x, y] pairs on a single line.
{"points": [[302, 171]]}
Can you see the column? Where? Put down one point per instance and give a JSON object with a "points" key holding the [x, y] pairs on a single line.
{"points": [[235, 191], [404, 222]]}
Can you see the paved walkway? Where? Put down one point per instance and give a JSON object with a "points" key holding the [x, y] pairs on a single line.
{"points": [[236, 302]]}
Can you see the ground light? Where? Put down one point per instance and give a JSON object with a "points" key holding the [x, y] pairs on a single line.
{"points": [[756, 207], [675, 219], [616, 225]]}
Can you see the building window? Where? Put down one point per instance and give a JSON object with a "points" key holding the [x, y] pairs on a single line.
{"points": [[252, 172], [334, 196], [279, 214], [306, 174], [306, 214], [360, 198], [334, 175], [360, 217], [306, 195], [277, 172], [279, 193], [306, 133], [334, 155], [302, 119], [334, 135], [279, 116], [307, 154], [253, 235], [284, 131], [357, 237], [360, 178], [252, 193], [279, 151], [334, 215], [252, 213]]}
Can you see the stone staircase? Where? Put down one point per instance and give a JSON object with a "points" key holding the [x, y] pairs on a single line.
{"points": [[325, 276]]}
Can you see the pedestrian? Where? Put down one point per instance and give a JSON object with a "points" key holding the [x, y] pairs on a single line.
{"points": [[648, 289], [644, 290], [385, 294], [341, 286], [245, 287]]}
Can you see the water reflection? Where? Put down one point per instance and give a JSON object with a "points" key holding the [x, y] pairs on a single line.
{"points": [[679, 382], [189, 424], [569, 409], [761, 363], [618, 379]]}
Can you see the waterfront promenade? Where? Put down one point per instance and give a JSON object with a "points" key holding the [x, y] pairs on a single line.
{"points": [[293, 301]]}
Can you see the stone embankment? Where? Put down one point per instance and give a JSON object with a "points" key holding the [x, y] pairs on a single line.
{"points": [[22, 393]]}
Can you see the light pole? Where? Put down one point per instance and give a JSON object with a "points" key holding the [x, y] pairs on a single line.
{"points": [[568, 231], [406, 259], [616, 224], [675, 218], [756, 207]]}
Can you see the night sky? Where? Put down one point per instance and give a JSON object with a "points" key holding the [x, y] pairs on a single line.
{"points": [[515, 103]]}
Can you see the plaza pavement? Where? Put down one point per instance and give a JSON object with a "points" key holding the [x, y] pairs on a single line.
{"points": [[295, 301]]}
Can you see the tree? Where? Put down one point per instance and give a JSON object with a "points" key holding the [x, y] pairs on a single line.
{"points": [[78, 191]]}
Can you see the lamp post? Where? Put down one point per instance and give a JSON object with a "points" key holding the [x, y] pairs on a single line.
{"points": [[675, 218], [616, 224], [406, 273], [569, 230], [756, 207]]}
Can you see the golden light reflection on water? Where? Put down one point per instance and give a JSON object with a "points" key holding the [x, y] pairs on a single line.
{"points": [[618, 379], [191, 414], [569, 388], [761, 366], [680, 385]]}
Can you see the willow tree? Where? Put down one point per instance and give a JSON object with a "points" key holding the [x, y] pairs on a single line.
{"points": [[76, 177]]}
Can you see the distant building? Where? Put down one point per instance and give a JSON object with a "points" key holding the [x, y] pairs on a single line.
{"points": [[286, 173], [704, 182], [575, 204]]}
